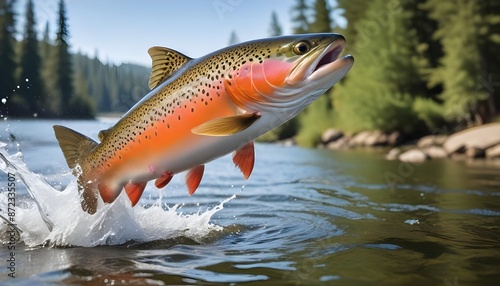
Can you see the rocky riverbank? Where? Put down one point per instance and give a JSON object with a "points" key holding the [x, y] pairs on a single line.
{"points": [[478, 142]]}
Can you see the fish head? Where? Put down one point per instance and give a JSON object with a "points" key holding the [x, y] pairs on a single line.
{"points": [[285, 74]]}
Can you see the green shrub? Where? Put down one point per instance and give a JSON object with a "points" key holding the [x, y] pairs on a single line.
{"points": [[314, 121], [430, 112], [81, 107]]}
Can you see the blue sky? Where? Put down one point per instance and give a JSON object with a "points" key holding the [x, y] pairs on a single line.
{"points": [[123, 30]]}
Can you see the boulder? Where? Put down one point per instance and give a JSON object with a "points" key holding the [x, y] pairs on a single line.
{"points": [[474, 152], [481, 138], [376, 138], [287, 142], [395, 138], [330, 135], [393, 154], [359, 139], [382, 140], [341, 143], [493, 152], [413, 156], [431, 140], [435, 152]]}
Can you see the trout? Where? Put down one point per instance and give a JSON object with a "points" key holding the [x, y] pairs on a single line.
{"points": [[201, 109]]}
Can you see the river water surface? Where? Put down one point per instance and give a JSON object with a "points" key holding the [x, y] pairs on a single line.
{"points": [[305, 217]]}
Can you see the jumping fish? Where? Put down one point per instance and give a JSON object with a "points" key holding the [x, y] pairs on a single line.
{"points": [[201, 109]]}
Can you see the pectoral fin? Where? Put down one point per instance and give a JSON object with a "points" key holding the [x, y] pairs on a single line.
{"points": [[134, 191], [193, 178], [244, 159], [226, 126]]}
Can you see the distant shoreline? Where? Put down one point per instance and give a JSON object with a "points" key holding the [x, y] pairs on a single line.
{"points": [[480, 142], [109, 115]]}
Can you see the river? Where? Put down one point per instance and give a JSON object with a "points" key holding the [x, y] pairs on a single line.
{"points": [[305, 217]]}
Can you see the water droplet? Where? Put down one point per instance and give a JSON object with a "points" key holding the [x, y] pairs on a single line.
{"points": [[35, 114], [4, 100], [27, 80], [412, 221]]}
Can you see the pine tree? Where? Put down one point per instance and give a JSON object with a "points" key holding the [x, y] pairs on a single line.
{"points": [[107, 88], [354, 11], [47, 51], [98, 78], [46, 44], [63, 70], [467, 33], [425, 26], [322, 20], [309, 133], [300, 19], [81, 105], [80, 81], [275, 29], [7, 56], [29, 80], [233, 38], [490, 58], [378, 92]]}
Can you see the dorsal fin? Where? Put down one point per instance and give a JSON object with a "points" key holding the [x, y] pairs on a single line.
{"points": [[165, 63], [103, 134]]}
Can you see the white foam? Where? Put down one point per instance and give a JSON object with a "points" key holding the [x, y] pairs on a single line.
{"points": [[55, 217]]}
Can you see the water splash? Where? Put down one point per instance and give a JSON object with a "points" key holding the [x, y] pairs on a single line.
{"points": [[55, 218]]}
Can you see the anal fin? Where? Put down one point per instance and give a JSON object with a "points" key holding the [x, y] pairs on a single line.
{"points": [[193, 178], [164, 179], [108, 194], [244, 159], [134, 191]]}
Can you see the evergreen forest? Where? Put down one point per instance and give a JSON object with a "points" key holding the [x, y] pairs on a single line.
{"points": [[41, 78], [421, 66]]}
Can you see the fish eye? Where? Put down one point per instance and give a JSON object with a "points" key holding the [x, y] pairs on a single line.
{"points": [[301, 48]]}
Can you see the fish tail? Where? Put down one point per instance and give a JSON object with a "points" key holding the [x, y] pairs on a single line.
{"points": [[76, 147]]}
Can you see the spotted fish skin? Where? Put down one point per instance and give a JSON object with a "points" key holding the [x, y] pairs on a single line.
{"points": [[201, 109]]}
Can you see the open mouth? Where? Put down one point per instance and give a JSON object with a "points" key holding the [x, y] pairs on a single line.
{"points": [[329, 57], [331, 54], [329, 67]]}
